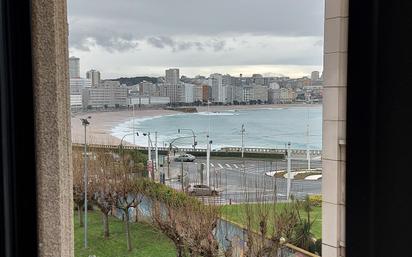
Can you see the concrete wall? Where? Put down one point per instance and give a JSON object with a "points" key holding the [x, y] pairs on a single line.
{"points": [[334, 128], [52, 124]]}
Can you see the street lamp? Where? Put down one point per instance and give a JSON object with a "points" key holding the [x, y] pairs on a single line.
{"points": [[149, 151], [289, 171], [85, 123], [243, 146], [194, 136], [170, 148]]}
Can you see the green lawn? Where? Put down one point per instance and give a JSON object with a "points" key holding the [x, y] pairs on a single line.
{"points": [[236, 213], [146, 241]]}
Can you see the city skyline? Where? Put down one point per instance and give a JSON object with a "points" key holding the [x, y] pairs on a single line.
{"points": [[126, 39]]}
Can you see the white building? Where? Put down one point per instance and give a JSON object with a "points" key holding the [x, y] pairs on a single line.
{"points": [[76, 101], [287, 95], [105, 96], [260, 93], [314, 76], [94, 76], [77, 85], [188, 93], [145, 100], [175, 92], [172, 76], [274, 93], [216, 83], [74, 67]]}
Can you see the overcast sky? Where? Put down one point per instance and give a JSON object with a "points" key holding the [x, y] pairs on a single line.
{"points": [[145, 37]]}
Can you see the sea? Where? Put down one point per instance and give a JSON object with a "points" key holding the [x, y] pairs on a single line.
{"points": [[263, 128]]}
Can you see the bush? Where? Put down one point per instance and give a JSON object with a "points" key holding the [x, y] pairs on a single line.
{"points": [[315, 200]]}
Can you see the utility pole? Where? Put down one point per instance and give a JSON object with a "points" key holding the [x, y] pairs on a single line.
{"points": [[243, 146], [149, 156], [181, 175], [85, 123], [134, 138], [289, 171], [208, 148], [208, 161], [157, 154], [307, 146]]}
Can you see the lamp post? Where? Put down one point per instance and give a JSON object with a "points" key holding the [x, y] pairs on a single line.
{"points": [[243, 146], [209, 142], [121, 141], [194, 136], [85, 123], [149, 152], [170, 148], [289, 171]]}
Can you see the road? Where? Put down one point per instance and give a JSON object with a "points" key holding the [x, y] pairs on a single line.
{"points": [[244, 181]]}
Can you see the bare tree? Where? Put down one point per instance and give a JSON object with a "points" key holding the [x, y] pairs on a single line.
{"points": [[198, 222], [78, 183], [127, 194], [103, 187], [167, 218]]}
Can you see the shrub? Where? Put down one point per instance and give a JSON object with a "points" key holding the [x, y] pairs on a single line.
{"points": [[315, 200]]}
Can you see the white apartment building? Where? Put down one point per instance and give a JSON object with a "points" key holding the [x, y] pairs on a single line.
{"points": [[172, 76], [260, 93], [94, 76], [74, 67], [287, 95], [77, 85], [105, 96], [218, 91], [197, 93], [175, 92], [76, 101], [145, 100], [188, 93]]}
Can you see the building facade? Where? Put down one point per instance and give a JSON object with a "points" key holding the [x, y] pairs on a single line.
{"points": [[74, 67], [105, 96], [94, 76], [172, 76]]}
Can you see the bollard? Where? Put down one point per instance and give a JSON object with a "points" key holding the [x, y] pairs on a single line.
{"points": [[230, 201]]}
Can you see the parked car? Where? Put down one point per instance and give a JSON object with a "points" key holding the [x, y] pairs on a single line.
{"points": [[202, 190], [185, 158]]}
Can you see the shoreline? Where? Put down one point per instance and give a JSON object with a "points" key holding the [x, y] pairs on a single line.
{"points": [[101, 124]]}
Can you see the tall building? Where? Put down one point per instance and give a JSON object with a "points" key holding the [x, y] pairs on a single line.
{"points": [[74, 67], [176, 92], [172, 76], [314, 76], [94, 76], [216, 84]]}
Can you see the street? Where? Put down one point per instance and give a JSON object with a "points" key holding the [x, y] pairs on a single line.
{"points": [[245, 180]]}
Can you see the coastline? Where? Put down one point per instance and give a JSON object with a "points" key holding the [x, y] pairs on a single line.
{"points": [[101, 124]]}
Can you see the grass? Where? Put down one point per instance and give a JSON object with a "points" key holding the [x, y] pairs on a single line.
{"points": [[237, 214], [146, 240]]}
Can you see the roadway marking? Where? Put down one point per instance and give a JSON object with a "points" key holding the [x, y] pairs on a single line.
{"points": [[235, 166], [227, 165], [220, 165]]}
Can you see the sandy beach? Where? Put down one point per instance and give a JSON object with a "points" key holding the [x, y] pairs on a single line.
{"points": [[101, 123]]}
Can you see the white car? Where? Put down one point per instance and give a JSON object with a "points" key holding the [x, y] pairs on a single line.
{"points": [[202, 190], [185, 158]]}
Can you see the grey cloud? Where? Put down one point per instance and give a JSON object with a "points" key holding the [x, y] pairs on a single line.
{"points": [[107, 21], [179, 45]]}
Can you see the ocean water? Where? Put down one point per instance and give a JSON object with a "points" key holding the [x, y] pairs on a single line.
{"points": [[268, 128]]}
